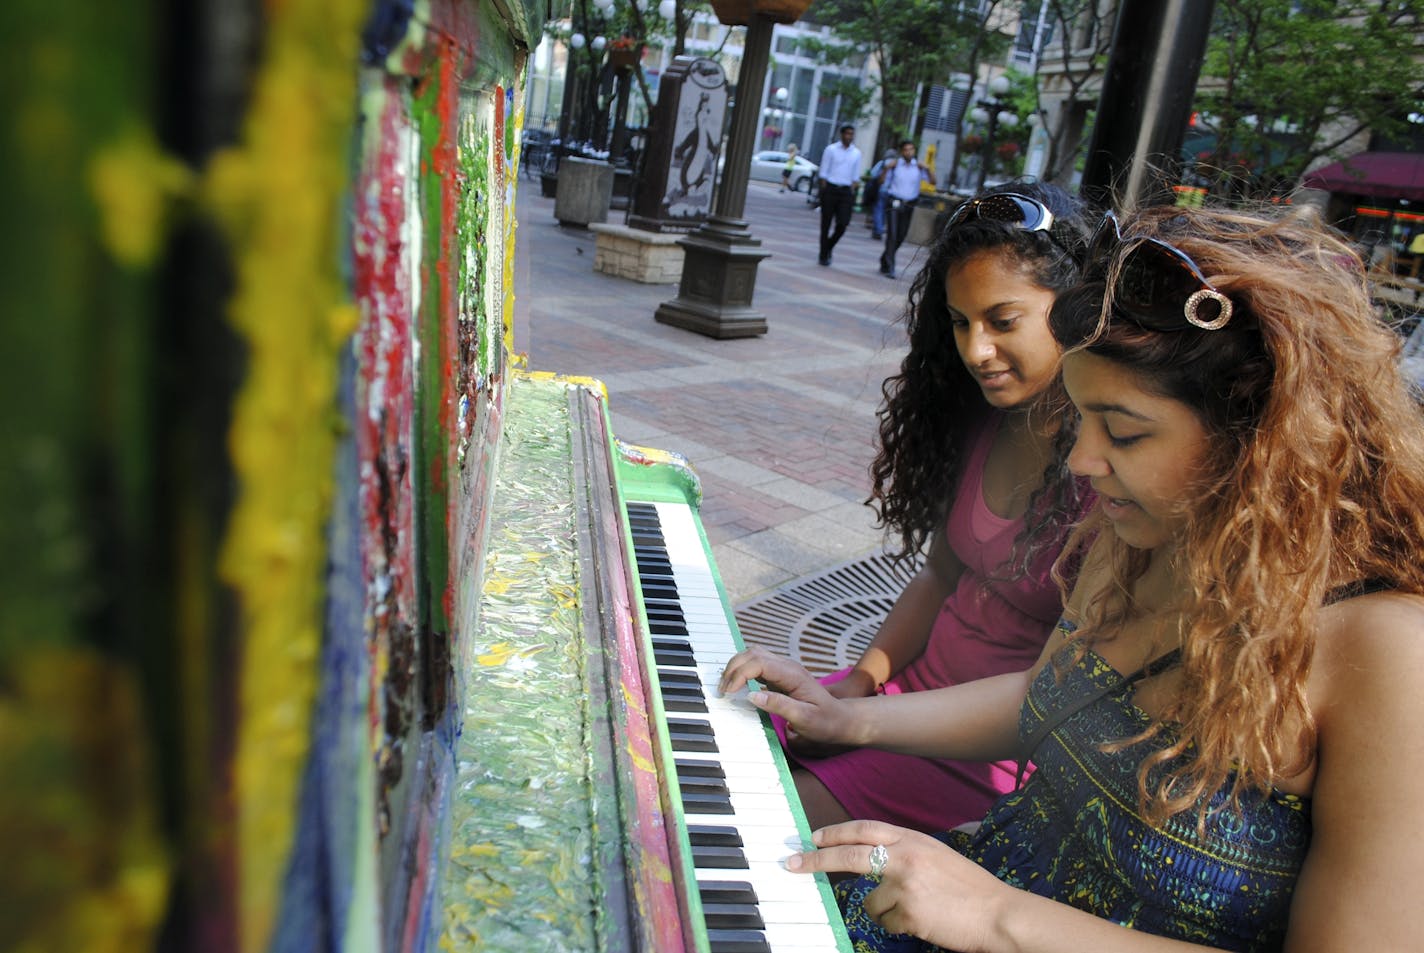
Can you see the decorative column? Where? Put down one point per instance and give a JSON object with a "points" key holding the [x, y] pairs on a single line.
{"points": [[721, 256]]}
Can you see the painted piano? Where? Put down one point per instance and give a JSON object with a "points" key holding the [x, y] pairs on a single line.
{"points": [[329, 629], [605, 798]]}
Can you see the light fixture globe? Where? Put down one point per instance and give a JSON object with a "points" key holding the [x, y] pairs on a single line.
{"points": [[1008, 119], [667, 9], [598, 43], [999, 85], [576, 41]]}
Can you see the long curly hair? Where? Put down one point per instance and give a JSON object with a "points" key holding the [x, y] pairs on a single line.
{"points": [[934, 401], [1313, 485]]}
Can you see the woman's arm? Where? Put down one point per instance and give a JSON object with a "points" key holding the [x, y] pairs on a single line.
{"points": [[974, 721], [906, 630], [1360, 885]]}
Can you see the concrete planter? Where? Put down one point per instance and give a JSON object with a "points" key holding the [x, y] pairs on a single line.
{"points": [[585, 190]]}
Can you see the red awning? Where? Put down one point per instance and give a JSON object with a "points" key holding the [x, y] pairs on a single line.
{"points": [[1394, 175]]}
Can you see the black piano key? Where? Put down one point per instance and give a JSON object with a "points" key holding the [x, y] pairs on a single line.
{"points": [[737, 941], [674, 657], [685, 702], [691, 740], [713, 835], [721, 858], [706, 785], [671, 676], [664, 627], [726, 891], [693, 768], [732, 916], [705, 802], [696, 725], [683, 695]]}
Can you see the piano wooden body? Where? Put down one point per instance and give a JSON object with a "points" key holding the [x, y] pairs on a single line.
{"points": [[605, 797], [365, 644]]}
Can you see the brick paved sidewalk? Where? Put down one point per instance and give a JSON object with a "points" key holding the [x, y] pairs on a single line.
{"points": [[781, 427]]}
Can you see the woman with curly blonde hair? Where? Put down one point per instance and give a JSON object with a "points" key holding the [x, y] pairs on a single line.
{"points": [[1224, 723]]}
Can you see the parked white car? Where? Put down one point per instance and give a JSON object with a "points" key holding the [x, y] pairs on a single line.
{"points": [[767, 165]]}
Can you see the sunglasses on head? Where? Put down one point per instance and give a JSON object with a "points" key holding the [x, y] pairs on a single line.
{"points": [[1011, 208], [1157, 284]]}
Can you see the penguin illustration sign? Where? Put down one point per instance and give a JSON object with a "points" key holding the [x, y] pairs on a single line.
{"points": [[681, 165]]}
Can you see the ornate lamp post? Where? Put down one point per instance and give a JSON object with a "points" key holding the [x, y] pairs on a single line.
{"points": [[994, 111], [721, 256], [780, 96]]}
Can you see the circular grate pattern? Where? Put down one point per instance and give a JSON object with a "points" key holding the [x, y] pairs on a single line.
{"points": [[825, 621]]}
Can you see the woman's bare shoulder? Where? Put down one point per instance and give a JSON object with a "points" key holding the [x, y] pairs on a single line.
{"points": [[1370, 643]]}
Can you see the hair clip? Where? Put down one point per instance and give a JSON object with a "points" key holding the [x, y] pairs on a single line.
{"points": [[1223, 303]]}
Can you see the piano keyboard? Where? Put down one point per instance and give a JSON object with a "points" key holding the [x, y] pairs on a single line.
{"points": [[730, 771]]}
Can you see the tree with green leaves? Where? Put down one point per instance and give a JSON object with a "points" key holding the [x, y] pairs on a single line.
{"points": [[1287, 82], [1078, 38], [914, 42]]}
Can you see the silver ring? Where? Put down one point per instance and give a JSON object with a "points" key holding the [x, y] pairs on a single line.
{"points": [[879, 857]]}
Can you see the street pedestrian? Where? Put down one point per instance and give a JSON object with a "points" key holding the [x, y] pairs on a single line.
{"points": [[840, 168], [874, 196], [900, 181], [789, 168]]}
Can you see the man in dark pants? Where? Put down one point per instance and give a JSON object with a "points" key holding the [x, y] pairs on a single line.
{"points": [[900, 182], [840, 168]]}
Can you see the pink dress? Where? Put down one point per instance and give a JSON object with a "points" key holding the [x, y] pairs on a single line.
{"points": [[986, 627]]}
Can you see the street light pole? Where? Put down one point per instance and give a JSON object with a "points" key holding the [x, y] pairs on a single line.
{"points": [[994, 111]]}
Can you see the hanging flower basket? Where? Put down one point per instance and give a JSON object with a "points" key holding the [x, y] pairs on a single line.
{"points": [[624, 53], [972, 143], [1008, 150]]}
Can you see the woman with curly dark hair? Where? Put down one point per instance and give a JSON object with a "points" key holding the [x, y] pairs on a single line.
{"points": [[969, 462]]}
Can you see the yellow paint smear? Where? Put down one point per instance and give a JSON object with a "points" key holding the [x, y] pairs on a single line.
{"points": [[279, 197]]}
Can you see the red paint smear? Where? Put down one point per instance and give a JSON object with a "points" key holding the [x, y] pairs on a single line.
{"points": [[385, 382]]}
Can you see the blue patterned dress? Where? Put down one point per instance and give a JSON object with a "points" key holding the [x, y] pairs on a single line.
{"points": [[1073, 833]]}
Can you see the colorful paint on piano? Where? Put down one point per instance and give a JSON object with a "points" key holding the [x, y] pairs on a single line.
{"points": [[269, 354]]}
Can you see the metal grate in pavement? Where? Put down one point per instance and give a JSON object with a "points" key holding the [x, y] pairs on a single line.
{"points": [[826, 620]]}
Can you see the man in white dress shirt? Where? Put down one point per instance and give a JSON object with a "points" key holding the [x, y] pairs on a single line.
{"points": [[900, 181], [840, 168]]}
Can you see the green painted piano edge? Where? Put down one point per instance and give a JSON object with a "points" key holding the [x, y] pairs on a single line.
{"points": [[664, 476]]}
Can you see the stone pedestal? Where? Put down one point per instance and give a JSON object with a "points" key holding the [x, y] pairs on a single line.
{"points": [[585, 189], [654, 258], [718, 278]]}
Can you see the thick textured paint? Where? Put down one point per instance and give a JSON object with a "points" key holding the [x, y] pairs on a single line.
{"points": [[387, 263], [276, 196]]}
